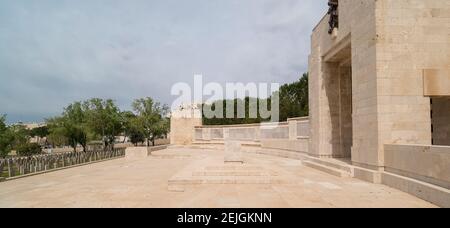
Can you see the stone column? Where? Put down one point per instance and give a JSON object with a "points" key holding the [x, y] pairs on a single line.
{"points": [[226, 133], [292, 129], [206, 134]]}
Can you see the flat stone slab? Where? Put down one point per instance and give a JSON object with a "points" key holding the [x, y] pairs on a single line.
{"points": [[233, 152]]}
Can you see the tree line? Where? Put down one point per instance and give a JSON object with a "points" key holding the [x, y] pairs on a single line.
{"points": [[91, 122], [293, 101]]}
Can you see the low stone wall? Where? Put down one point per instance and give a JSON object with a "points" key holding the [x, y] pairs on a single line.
{"points": [[430, 164], [292, 135], [299, 145], [141, 152]]}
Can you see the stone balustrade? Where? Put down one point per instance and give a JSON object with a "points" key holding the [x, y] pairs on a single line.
{"points": [[292, 135], [293, 129], [17, 166]]}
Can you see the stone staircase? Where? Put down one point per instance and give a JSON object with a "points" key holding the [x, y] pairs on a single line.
{"points": [[221, 143], [331, 166], [224, 174], [327, 165]]}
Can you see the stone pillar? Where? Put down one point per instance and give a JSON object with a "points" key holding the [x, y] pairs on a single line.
{"points": [[292, 129], [182, 126], [137, 153], [206, 134], [226, 133], [258, 133]]}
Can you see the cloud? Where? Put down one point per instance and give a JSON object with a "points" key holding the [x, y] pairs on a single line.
{"points": [[55, 52]]}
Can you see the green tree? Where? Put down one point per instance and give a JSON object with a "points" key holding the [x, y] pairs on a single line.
{"points": [[57, 136], [293, 103], [294, 99], [248, 119], [71, 127], [104, 119], [160, 129], [11, 137], [28, 149], [18, 134], [136, 132], [40, 132], [6, 138], [152, 117], [127, 118]]}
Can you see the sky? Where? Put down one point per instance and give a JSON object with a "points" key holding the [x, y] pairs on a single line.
{"points": [[55, 52]]}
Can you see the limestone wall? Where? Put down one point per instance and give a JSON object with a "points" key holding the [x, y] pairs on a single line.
{"points": [[430, 164], [412, 39], [292, 135], [182, 130], [355, 43], [392, 45]]}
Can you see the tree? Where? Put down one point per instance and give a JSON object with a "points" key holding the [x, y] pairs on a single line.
{"points": [[127, 119], [40, 132], [104, 119], [160, 129], [71, 128], [136, 132], [28, 149], [5, 138], [11, 137], [248, 119], [57, 137], [293, 103], [152, 117], [294, 99], [18, 135]]}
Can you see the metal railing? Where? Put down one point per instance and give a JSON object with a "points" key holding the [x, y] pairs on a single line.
{"points": [[18, 166]]}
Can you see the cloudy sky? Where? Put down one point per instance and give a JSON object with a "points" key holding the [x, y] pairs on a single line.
{"points": [[54, 52]]}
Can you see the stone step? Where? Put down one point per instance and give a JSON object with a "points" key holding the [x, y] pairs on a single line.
{"points": [[170, 156], [233, 173], [233, 168], [279, 153], [207, 143], [327, 169], [222, 143], [180, 184], [332, 163]]}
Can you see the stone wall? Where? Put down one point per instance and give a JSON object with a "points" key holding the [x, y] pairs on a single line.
{"points": [[182, 128], [391, 45], [429, 164], [292, 135], [412, 39], [354, 44]]}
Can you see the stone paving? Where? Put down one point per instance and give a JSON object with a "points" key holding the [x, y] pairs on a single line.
{"points": [[144, 183]]}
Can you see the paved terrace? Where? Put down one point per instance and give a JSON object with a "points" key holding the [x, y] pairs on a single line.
{"points": [[144, 183]]}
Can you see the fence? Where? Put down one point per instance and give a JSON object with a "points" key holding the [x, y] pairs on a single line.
{"points": [[13, 167]]}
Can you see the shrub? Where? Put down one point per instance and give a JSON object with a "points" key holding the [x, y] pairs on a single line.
{"points": [[28, 149]]}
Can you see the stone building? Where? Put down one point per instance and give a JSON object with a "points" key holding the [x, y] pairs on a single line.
{"points": [[379, 74]]}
